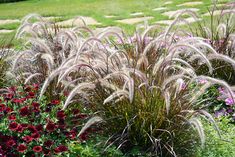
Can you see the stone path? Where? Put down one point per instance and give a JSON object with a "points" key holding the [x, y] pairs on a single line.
{"points": [[172, 14], [9, 21], [78, 22], [189, 4], [135, 20]]}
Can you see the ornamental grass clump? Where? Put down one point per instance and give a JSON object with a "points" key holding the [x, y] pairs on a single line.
{"points": [[139, 85], [220, 34]]}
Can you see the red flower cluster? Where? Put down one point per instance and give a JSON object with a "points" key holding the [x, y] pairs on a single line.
{"points": [[36, 128]]}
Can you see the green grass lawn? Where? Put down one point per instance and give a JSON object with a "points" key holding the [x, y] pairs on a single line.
{"points": [[96, 9]]}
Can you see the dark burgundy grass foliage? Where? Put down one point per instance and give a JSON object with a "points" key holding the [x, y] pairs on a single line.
{"points": [[30, 127]]}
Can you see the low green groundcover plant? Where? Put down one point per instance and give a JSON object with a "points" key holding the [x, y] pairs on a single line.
{"points": [[32, 127], [216, 146]]}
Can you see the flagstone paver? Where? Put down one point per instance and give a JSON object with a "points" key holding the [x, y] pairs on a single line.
{"points": [[78, 22], [190, 4], [110, 16], [4, 31], [160, 9], [168, 2], [186, 20], [137, 14], [171, 14], [135, 20], [9, 21], [51, 18]]}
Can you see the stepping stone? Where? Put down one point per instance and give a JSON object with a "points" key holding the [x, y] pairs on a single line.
{"points": [[187, 20], [164, 22], [109, 16], [168, 2], [189, 4], [137, 14], [134, 20], [4, 31], [100, 30], [78, 22], [171, 14], [50, 18], [8, 21], [218, 12], [159, 9]]}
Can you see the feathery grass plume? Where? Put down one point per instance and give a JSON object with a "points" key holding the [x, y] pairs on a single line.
{"points": [[218, 33], [5, 63], [131, 83], [90, 122]]}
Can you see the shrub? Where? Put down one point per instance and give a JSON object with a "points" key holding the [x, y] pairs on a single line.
{"points": [[30, 127]]}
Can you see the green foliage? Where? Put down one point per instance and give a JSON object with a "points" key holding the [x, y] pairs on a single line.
{"points": [[8, 1], [94, 148], [216, 147]]}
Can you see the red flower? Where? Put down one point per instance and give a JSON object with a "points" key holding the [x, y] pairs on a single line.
{"points": [[60, 149], [8, 96], [55, 102], [76, 111], [8, 109], [15, 100], [27, 138], [32, 128], [35, 135], [35, 104], [51, 126], [39, 127], [2, 107], [61, 115], [11, 143], [84, 136], [20, 128], [24, 125], [46, 152], [13, 126], [12, 89], [31, 95], [27, 88], [82, 116], [24, 111], [48, 143], [21, 148], [72, 134], [36, 86], [12, 117], [37, 149]]}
